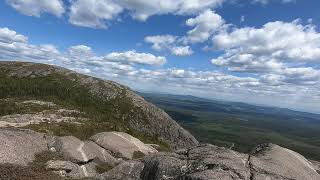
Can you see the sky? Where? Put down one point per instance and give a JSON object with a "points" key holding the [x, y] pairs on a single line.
{"points": [[264, 52]]}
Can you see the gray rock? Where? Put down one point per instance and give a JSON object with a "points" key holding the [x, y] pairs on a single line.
{"points": [[271, 161], [316, 165], [129, 170], [207, 162], [65, 168], [78, 151], [155, 146], [100, 154], [72, 149], [20, 146], [203, 162], [208, 174], [122, 144], [89, 169], [72, 170], [164, 166]]}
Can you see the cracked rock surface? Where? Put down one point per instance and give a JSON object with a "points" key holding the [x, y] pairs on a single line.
{"points": [[129, 170], [122, 144], [202, 162], [270, 161], [77, 151], [207, 162]]}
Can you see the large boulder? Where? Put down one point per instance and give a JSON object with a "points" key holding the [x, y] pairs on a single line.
{"points": [[164, 165], [270, 161], [72, 149], [72, 170], [100, 154], [123, 144], [129, 170], [77, 151], [199, 163], [207, 162], [20, 146]]}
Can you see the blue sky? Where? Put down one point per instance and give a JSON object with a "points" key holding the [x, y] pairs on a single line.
{"points": [[256, 51]]}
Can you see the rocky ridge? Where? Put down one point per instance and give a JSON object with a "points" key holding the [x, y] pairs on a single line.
{"points": [[116, 106], [84, 159]]}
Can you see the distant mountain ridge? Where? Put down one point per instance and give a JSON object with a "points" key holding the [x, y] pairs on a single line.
{"points": [[260, 108], [242, 126]]}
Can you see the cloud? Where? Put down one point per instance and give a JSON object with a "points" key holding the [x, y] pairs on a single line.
{"points": [[271, 48], [205, 24], [9, 36], [37, 7], [96, 13], [93, 13], [247, 63], [280, 53], [80, 51], [170, 43], [161, 42], [134, 57], [264, 2], [181, 50], [16, 46], [290, 86]]}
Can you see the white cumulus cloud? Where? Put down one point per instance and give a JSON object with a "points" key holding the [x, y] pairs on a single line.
{"points": [[264, 2], [205, 24], [170, 43], [96, 13], [135, 57], [37, 7], [181, 50], [273, 47], [93, 13]]}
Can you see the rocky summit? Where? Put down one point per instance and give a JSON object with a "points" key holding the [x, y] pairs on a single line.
{"points": [[58, 124], [39, 94]]}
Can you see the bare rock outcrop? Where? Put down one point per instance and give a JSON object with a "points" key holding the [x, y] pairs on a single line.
{"points": [[207, 162], [72, 170], [201, 162], [20, 146], [77, 151], [271, 161], [122, 144], [129, 170]]}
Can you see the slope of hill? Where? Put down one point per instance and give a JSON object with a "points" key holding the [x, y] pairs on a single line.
{"points": [[242, 125], [80, 106]]}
